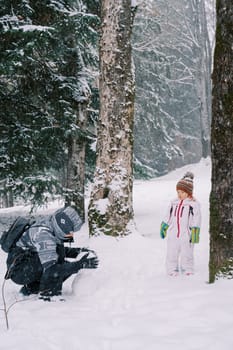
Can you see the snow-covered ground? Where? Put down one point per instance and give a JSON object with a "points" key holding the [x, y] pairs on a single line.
{"points": [[129, 303]]}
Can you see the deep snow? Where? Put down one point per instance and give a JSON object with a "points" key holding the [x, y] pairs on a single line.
{"points": [[129, 303]]}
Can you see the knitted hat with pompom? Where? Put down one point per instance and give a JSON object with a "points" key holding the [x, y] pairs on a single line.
{"points": [[186, 183]]}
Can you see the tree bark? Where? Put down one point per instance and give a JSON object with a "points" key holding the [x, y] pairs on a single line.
{"points": [[75, 179], [221, 198], [110, 208]]}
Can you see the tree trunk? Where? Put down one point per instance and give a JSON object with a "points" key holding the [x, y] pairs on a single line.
{"points": [[10, 198], [206, 64], [203, 75], [110, 208], [7, 198], [76, 166], [221, 199]]}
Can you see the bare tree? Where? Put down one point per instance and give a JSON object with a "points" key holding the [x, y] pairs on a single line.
{"points": [[203, 72], [221, 199], [110, 208], [172, 54]]}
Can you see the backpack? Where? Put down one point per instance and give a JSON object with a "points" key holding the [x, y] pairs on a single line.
{"points": [[13, 234]]}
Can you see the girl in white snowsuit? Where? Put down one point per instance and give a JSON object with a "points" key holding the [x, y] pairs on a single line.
{"points": [[181, 225]]}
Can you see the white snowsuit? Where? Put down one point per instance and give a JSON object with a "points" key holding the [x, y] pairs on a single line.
{"points": [[181, 216]]}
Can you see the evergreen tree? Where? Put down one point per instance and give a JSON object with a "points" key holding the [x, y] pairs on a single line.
{"points": [[45, 74]]}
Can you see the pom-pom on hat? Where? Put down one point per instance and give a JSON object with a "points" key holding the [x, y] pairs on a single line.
{"points": [[186, 183]]}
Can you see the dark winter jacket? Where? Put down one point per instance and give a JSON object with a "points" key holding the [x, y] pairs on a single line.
{"points": [[46, 234], [39, 255]]}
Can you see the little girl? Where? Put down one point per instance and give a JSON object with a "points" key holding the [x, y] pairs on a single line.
{"points": [[181, 225]]}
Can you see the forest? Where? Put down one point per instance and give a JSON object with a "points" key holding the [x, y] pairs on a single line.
{"points": [[104, 93], [50, 93]]}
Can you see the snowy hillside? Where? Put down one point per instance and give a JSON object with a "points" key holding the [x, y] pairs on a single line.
{"points": [[129, 303]]}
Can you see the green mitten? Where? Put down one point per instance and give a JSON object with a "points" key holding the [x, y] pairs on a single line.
{"points": [[195, 234], [163, 229]]}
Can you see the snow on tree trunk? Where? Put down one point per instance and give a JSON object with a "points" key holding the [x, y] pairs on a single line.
{"points": [[75, 177], [221, 199], [110, 208], [204, 79]]}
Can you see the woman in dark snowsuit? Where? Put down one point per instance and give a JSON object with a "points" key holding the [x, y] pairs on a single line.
{"points": [[38, 259]]}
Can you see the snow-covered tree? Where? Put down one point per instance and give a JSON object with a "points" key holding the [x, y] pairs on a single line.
{"points": [[221, 199], [110, 208], [172, 59], [46, 68]]}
